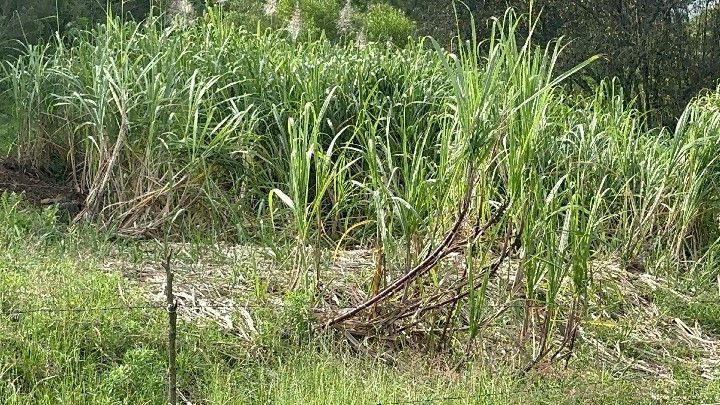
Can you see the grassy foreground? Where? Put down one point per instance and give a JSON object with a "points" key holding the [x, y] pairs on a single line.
{"points": [[118, 356]]}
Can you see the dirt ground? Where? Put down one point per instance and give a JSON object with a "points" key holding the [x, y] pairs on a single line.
{"points": [[36, 190]]}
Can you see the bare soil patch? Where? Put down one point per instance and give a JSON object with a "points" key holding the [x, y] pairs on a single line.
{"points": [[37, 189]]}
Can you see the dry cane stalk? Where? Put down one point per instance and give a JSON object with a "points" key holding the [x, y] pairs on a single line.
{"points": [[445, 248]]}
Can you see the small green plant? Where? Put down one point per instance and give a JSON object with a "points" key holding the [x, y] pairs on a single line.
{"points": [[383, 22], [287, 326], [139, 374], [23, 222], [314, 16]]}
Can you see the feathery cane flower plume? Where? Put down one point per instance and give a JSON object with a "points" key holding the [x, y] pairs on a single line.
{"points": [[270, 8], [295, 25], [361, 40], [182, 12], [344, 23]]}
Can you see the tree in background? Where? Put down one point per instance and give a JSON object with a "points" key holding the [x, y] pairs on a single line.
{"points": [[649, 45], [30, 21], [24, 20], [383, 22], [663, 51]]}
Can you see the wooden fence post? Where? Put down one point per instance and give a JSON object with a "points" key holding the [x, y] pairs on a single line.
{"points": [[172, 330]]}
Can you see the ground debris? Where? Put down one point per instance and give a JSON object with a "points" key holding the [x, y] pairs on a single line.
{"points": [[645, 339], [37, 190], [220, 282]]}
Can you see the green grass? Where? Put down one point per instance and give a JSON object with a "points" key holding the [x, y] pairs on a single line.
{"points": [[7, 137], [118, 356], [210, 132], [706, 313]]}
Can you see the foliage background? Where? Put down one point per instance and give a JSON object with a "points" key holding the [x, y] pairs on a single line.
{"points": [[663, 52]]}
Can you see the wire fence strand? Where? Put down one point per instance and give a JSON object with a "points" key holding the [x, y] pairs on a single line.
{"points": [[525, 305], [122, 308], [520, 304]]}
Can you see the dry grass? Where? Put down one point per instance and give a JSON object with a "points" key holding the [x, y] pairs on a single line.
{"points": [[621, 326]]}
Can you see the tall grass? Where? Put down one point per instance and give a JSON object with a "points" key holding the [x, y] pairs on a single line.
{"points": [[209, 126]]}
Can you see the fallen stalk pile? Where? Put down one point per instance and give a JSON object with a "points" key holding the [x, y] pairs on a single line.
{"points": [[451, 243]]}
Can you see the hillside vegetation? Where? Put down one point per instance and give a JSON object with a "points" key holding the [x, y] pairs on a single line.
{"points": [[214, 127], [473, 179]]}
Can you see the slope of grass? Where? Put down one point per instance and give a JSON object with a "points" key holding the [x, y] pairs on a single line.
{"points": [[118, 356], [247, 136]]}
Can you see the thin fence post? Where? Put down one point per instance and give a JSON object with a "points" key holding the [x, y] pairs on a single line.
{"points": [[172, 332]]}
